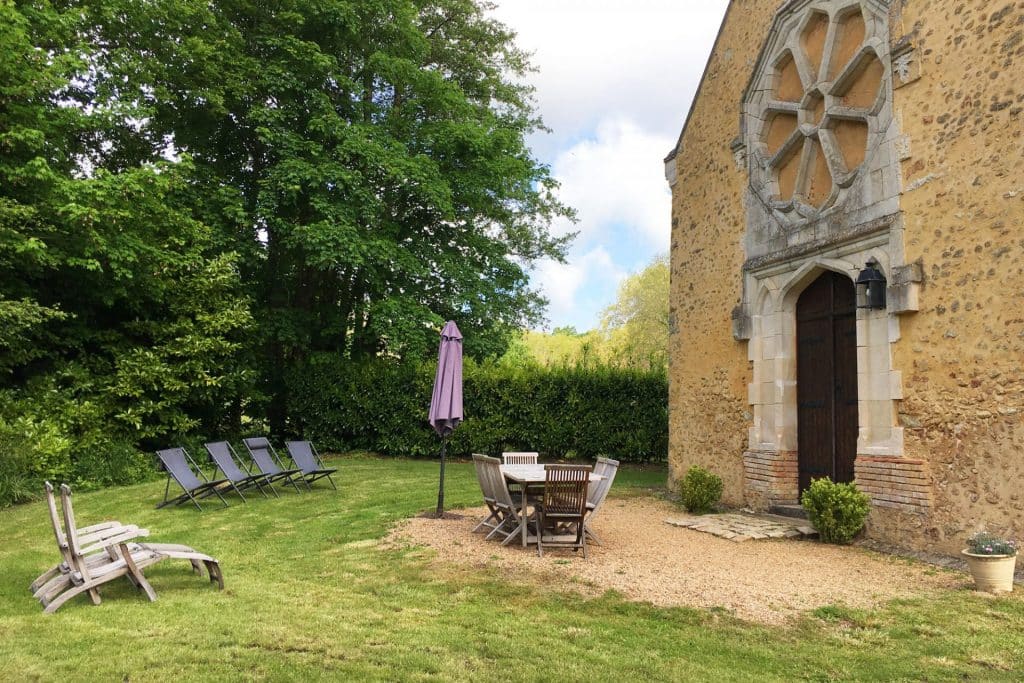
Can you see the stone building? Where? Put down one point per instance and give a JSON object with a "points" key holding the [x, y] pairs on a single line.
{"points": [[827, 137]]}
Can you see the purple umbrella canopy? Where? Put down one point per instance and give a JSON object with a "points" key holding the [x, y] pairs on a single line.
{"points": [[446, 402]]}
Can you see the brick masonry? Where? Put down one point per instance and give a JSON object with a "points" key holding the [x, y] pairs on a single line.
{"points": [[771, 478], [895, 482]]}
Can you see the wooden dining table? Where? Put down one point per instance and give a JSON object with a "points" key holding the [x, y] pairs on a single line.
{"points": [[529, 477]]}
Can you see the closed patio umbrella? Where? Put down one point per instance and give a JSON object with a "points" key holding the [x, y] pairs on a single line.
{"points": [[446, 401]]}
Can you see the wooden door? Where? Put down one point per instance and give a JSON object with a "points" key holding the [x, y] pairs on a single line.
{"points": [[826, 330]]}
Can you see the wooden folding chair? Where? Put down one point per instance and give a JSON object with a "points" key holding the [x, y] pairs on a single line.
{"points": [[598, 491], [494, 516], [86, 576], [519, 458], [59, 577], [563, 509], [104, 554], [509, 515]]}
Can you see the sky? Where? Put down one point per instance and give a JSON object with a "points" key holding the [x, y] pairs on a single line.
{"points": [[615, 82]]}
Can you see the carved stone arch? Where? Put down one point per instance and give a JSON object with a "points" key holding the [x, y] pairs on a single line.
{"points": [[808, 273]]}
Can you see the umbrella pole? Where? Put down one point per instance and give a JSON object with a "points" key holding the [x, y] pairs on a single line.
{"points": [[440, 488]]}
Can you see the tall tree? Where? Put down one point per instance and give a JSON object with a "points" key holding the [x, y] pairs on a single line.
{"points": [[636, 325], [109, 286], [366, 158]]}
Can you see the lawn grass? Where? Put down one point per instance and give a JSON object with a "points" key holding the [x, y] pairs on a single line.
{"points": [[310, 595]]}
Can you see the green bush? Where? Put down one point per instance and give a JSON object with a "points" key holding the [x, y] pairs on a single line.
{"points": [[700, 490], [382, 406], [837, 511]]}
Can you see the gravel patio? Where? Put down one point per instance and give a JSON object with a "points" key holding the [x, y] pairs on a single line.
{"points": [[645, 559]]}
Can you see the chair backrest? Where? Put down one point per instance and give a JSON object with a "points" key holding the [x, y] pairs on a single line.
{"points": [[304, 455], [263, 454], [482, 478], [519, 458], [606, 467], [58, 533], [496, 480], [222, 454], [180, 466], [565, 489], [71, 529]]}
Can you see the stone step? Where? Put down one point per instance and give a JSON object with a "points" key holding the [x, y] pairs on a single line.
{"points": [[795, 511]]}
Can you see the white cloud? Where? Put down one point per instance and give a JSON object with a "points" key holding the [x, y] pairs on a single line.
{"points": [[602, 58], [562, 283], [615, 181], [615, 80]]}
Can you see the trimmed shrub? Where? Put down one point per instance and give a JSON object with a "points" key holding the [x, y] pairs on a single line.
{"points": [[701, 490], [575, 412], [837, 511]]}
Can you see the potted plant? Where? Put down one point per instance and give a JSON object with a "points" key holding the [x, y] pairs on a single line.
{"points": [[991, 560]]}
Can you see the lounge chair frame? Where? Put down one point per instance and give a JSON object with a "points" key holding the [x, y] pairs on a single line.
{"points": [[266, 460], [201, 487], [226, 460], [100, 553], [312, 466]]}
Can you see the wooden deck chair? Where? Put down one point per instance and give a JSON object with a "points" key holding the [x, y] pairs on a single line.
{"points": [[58, 577], [509, 513], [265, 458], [305, 457], [226, 460], [87, 576], [182, 468], [564, 508], [607, 468], [107, 546], [519, 458], [494, 516]]}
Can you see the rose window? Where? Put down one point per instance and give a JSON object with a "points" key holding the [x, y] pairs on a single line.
{"points": [[813, 112]]}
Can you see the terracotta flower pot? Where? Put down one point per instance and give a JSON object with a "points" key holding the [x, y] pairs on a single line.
{"points": [[992, 573]]}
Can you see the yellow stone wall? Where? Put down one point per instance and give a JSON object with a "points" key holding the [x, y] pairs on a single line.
{"points": [[962, 354], [708, 410]]}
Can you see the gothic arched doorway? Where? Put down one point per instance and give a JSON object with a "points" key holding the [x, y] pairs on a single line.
{"points": [[826, 327]]}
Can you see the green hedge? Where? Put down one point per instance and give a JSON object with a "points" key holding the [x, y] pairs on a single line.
{"points": [[579, 412]]}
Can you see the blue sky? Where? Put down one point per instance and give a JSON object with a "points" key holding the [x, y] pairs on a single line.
{"points": [[615, 81]]}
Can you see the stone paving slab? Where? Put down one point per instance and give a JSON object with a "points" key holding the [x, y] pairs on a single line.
{"points": [[742, 527]]}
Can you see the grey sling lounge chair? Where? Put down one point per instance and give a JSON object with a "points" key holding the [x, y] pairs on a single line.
{"points": [[182, 468], [267, 462], [308, 460], [226, 460]]}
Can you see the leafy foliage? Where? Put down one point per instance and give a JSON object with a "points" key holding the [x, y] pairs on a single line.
{"points": [[367, 160], [984, 543], [562, 412], [837, 511], [700, 489], [194, 197]]}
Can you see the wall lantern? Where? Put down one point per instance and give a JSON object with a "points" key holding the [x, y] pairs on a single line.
{"points": [[871, 286]]}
